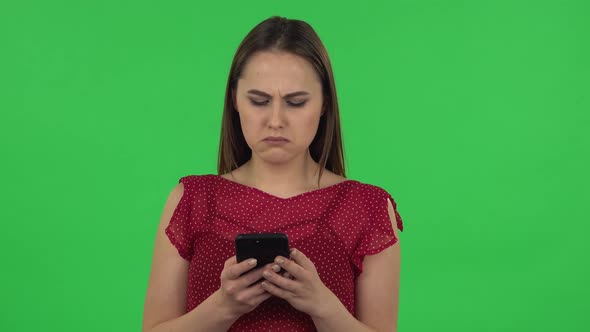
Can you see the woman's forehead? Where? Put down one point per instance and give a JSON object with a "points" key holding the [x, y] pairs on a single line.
{"points": [[289, 71]]}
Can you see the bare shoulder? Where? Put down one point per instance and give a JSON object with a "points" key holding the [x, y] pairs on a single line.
{"points": [[234, 175], [377, 288], [330, 178], [392, 216], [173, 199], [166, 292]]}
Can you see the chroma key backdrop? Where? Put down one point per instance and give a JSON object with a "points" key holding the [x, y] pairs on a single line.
{"points": [[474, 115]]}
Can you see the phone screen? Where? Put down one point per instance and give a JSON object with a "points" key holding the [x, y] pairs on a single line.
{"points": [[264, 247]]}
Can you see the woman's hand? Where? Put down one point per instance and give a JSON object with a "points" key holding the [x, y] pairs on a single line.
{"points": [[239, 293], [300, 285]]}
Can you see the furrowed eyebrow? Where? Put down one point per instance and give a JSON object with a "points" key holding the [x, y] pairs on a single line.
{"points": [[289, 95]]}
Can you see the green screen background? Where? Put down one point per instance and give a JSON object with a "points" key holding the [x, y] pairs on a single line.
{"points": [[472, 114]]}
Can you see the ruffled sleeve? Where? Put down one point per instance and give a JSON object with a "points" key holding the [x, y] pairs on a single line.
{"points": [[377, 232], [180, 230]]}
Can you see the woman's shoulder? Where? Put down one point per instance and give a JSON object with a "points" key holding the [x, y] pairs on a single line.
{"points": [[196, 178], [364, 187], [197, 183]]}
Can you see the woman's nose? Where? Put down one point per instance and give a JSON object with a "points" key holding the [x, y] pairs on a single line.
{"points": [[276, 116]]}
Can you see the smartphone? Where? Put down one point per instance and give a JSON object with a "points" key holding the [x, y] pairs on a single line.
{"points": [[264, 247]]}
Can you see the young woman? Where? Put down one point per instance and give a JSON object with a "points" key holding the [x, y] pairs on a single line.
{"points": [[281, 170]]}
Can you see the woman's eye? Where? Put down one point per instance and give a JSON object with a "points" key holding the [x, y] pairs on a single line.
{"points": [[300, 104], [258, 103], [264, 102]]}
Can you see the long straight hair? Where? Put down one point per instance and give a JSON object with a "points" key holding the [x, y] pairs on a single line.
{"points": [[297, 37]]}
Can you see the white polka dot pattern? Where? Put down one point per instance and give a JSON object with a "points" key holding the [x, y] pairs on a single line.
{"points": [[336, 227]]}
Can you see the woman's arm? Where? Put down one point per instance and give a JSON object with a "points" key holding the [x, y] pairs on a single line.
{"points": [[205, 317], [377, 293], [165, 301]]}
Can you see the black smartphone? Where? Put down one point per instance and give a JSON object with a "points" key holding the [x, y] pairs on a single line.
{"points": [[264, 247]]}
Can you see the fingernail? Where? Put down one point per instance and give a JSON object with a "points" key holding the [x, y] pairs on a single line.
{"points": [[252, 262], [279, 260], [293, 252], [276, 268], [266, 274]]}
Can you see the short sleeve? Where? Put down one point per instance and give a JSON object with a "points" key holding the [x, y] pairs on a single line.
{"points": [[377, 233], [179, 230]]}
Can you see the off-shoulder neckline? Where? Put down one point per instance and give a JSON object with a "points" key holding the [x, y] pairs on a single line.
{"points": [[264, 193]]}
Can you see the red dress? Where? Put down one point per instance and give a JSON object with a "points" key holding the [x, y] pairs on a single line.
{"points": [[335, 227]]}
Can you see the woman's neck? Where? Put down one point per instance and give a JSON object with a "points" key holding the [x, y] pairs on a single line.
{"points": [[293, 176]]}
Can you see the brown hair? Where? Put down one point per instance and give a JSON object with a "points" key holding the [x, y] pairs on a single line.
{"points": [[297, 37]]}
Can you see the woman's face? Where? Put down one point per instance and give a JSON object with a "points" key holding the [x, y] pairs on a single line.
{"points": [[278, 94]]}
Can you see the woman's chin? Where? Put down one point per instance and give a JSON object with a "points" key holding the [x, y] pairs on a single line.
{"points": [[275, 157]]}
